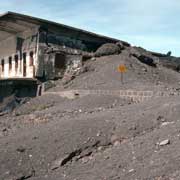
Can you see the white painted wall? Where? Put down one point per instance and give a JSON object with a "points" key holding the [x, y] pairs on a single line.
{"points": [[18, 73]]}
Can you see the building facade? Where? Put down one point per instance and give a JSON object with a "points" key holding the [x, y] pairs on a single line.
{"points": [[36, 48]]}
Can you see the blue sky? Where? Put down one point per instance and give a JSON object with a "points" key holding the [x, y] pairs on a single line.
{"points": [[152, 24]]}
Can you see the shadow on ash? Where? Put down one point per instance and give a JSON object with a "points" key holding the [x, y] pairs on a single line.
{"points": [[14, 93]]}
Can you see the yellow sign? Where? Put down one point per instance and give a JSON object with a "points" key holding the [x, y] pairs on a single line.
{"points": [[122, 68]]}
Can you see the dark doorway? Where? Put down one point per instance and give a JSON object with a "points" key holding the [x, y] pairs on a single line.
{"points": [[24, 64], [60, 61], [60, 65]]}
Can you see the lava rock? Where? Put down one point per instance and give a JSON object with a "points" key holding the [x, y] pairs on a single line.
{"points": [[147, 60], [107, 49]]}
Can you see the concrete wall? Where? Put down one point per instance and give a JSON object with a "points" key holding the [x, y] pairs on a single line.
{"points": [[70, 38], [52, 65], [17, 71], [61, 40], [37, 41], [29, 41], [8, 46], [18, 48], [133, 95]]}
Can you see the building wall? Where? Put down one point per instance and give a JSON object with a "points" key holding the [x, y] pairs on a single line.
{"points": [[36, 42], [18, 55], [20, 47], [8, 46]]}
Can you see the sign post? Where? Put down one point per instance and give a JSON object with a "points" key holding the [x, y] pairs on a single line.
{"points": [[122, 69]]}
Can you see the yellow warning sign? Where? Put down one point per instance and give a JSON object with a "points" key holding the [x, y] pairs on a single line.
{"points": [[122, 68]]}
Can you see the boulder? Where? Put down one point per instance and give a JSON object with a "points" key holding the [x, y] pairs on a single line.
{"points": [[120, 45], [107, 49], [147, 60]]}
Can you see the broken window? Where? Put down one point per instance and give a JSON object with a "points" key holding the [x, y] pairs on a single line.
{"points": [[31, 62], [16, 62], [2, 65], [10, 63]]}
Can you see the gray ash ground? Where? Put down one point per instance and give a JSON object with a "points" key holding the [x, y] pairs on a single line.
{"points": [[96, 137]]}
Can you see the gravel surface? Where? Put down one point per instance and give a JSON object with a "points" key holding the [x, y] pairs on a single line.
{"points": [[96, 137]]}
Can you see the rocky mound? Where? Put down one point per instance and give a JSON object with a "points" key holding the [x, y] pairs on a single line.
{"points": [[107, 49], [144, 71]]}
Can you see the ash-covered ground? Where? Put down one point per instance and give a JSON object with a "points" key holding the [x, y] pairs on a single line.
{"points": [[98, 137]]}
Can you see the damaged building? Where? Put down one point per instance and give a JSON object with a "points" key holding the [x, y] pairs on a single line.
{"points": [[39, 49]]}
